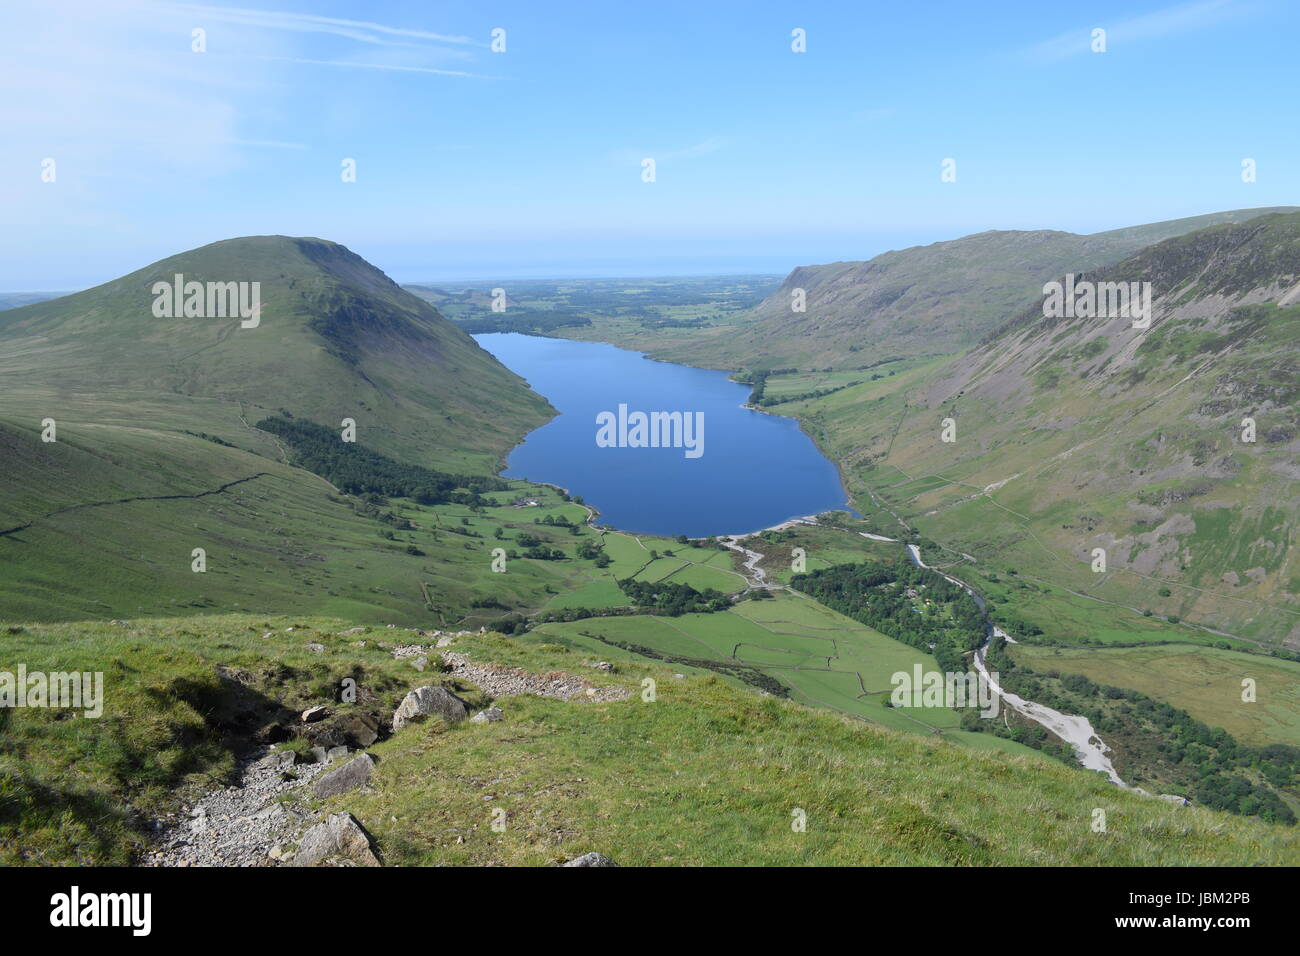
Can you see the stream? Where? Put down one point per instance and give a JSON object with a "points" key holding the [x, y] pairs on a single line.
{"points": [[1089, 748]]}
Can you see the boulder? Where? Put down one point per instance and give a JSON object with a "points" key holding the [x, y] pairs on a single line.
{"points": [[490, 715], [591, 859], [282, 759], [361, 728], [429, 700], [339, 836], [353, 774]]}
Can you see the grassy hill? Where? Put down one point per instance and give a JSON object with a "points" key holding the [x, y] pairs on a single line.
{"points": [[337, 339], [921, 301], [703, 774], [1075, 434], [157, 453]]}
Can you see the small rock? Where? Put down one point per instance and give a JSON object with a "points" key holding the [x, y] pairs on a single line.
{"points": [[315, 648], [493, 713], [321, 754], [336, 753], [591, 859], [353, 774], [267, 635], [283, 759], [353, 630], [445, 642], [339, 835], [315, 713], [429, 700], [603, 666], [359, 727]]}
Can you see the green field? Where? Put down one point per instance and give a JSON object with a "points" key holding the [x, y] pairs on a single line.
{"points": [[1204, 681], [825, 659]]}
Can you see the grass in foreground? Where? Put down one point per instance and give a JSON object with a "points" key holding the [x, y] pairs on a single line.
{"points": [[704, 774]]}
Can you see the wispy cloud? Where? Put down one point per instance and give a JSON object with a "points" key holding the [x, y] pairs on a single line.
{"points": [[266, 143], [361, 30], [396, 67], [1149, 26]]}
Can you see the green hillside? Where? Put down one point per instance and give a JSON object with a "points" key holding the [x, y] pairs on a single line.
{"points": [[336, 339], [157, 453], [704, 773], [1075, 434], [917, 302]]}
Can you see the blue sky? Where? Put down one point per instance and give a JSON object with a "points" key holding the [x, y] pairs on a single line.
{"points": [[472, 163]]}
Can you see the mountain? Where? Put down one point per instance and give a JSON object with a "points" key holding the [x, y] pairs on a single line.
{"points": [[1076, 434], [336, 339], [12, 300], [925, 300], [157, 453]]}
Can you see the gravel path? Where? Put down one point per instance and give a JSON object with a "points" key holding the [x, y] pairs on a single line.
{"points": [[512, 681], [248, 824], [240, 825]]}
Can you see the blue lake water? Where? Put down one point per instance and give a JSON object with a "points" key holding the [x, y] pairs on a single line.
{"points": [[752, 471]]}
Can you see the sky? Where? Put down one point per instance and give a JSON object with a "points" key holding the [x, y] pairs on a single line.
{"points": [[477, 163]]}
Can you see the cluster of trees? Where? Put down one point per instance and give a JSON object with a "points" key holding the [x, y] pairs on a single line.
{"points": [[673, 599], [358, 470], [519, 623], [541, 552], [559, 521], [804, 396], [1014, 625], [592, 551], [876, 595], [758, 381]]}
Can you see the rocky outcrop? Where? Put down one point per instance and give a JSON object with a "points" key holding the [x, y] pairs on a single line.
{"points": [[353, 774], [508, 681], [426, 701], [591, 859], [339, 839]]}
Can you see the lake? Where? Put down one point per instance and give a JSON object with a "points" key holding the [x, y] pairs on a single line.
{"points": [[719, 468]]}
